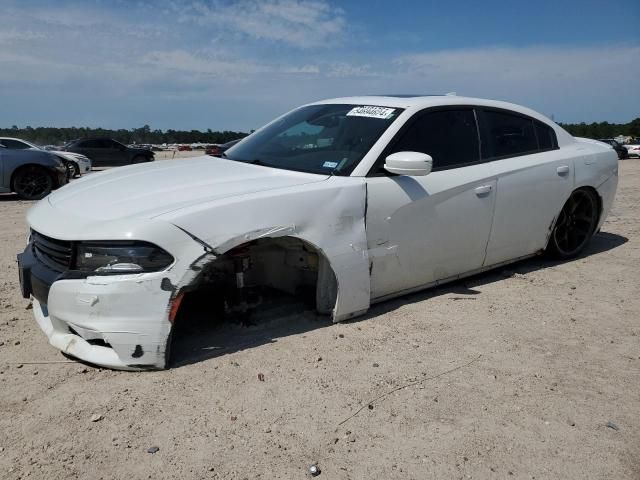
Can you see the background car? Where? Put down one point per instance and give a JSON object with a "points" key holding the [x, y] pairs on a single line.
{"points": [[633, 150], [216, 150], [32, 174], [76, 164], [620, 150], [106, 152]]}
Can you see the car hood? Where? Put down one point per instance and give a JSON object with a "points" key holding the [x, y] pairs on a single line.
{"points": [[151, 189], [69, 155]]}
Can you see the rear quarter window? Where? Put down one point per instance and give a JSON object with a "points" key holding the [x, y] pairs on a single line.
{"points": [[510, 134], [546, 136]]}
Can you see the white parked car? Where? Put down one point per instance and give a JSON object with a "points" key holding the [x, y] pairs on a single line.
{"points": [[633, 149], [76, 163], [355, 200]]}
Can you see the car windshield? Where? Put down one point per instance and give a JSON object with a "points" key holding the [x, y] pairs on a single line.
{"points": [[325, 139]]}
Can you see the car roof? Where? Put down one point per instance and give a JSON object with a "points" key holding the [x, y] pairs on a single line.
{"points": [[14, 138], [408, 101], [92, 138]]}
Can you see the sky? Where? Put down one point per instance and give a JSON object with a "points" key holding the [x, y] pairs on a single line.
{"points": [[234, 65]]}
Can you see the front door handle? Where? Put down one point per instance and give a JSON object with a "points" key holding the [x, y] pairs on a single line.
{"points": [[483, 190], [563, 169]]}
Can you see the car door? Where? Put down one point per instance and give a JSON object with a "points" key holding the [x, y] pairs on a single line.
{"points": [[534, 176], [116, 152], [421, 229], [91, 149], [4, 183]]}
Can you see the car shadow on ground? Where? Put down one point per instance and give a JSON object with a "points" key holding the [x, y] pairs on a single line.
{"points": [[199, 336], [11, 197]]}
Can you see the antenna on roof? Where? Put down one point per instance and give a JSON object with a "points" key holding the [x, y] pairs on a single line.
{"points": [[451, 94]]}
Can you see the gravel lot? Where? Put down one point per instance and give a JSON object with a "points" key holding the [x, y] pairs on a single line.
{"points": [[548, 384]]}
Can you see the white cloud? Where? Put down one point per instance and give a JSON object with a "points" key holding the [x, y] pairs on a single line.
{"points": [[187, 63], [525, 64], [10, 36], [343, 69], [299, 23], [550, 79]]}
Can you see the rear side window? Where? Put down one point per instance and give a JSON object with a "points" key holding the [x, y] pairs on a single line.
{"points": [[509, 135], [449, 136], [546, 136]]}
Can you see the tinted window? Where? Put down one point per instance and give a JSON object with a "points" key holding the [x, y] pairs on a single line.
{"points": [[546, 136], [449, 136], [88, 144], [509, 134], [15, 144]]}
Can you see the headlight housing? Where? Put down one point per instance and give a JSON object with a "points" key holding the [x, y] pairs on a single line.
{"points": [[120, 257]]}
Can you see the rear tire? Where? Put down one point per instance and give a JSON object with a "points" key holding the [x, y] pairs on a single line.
{"points": [[575, 225], [32, 183]]}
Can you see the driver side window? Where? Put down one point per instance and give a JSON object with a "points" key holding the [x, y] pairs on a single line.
{"points": [[450, 137]]}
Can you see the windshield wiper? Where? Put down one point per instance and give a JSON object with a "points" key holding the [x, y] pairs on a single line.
{"points": [[257, 161]]}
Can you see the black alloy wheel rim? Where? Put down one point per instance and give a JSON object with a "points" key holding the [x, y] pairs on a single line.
{"points": [[576, 223], [33, 183]]}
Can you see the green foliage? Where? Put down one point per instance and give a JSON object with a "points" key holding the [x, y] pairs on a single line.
{"points": [[60, 136], [603, 129]]}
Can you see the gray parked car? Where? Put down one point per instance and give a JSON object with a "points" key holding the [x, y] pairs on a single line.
{"points": [[32, 174], [76, 164]]}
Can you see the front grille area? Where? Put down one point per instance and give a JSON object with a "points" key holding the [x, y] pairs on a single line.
{"points": [[56, 254]]}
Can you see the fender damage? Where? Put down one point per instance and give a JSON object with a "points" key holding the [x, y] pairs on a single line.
{"points": [[125, 322]]}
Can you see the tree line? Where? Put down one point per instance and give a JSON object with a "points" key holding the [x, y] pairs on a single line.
{"points": [[603, 129], [59, 136]]}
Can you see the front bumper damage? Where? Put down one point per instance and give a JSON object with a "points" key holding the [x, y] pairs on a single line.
{"points": [[118, 321]]}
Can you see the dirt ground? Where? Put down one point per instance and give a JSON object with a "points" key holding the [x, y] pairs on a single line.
{"points": [[538, 364]]}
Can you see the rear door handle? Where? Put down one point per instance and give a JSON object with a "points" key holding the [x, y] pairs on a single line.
{"points": [[563, 169], [483, 190]]}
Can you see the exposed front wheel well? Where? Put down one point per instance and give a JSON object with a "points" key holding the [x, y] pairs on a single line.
{"points": [[255, 282]]}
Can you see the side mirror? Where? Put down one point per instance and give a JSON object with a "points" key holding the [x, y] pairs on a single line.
{"points": [[414, 164]]}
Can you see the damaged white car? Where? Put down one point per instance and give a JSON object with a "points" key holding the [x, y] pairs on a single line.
{"points": [[344, 202]]}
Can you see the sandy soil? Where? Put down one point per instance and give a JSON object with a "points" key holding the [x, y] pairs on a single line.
{"points": [[548, 385]]}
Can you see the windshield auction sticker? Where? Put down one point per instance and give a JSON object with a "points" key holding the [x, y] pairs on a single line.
{"points": [[371, 112]]}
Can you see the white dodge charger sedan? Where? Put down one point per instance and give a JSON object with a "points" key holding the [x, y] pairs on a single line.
{"points": [[342, 203]]}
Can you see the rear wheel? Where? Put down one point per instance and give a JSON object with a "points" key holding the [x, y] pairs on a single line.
{"points": [[575, 225], [32, 183]]}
